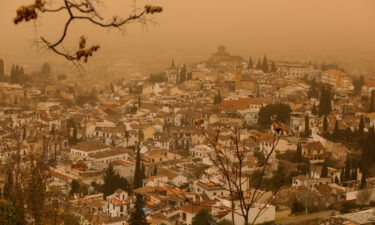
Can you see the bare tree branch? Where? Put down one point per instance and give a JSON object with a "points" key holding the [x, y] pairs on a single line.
{"points": [[83, 10]]}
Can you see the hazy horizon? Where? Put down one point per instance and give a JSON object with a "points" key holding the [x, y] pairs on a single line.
{"points": [[189, 31]]}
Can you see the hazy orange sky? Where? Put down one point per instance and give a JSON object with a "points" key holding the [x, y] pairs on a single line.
{"points": [[280, 28]]}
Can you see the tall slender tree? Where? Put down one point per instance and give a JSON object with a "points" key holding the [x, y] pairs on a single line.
{"points": [[348, 170], [361, 126], [368, 155], [265, 64], [372, 102], [325, 101], [325, 124], [324, 172], [137, 216], [137, 181], [250, 64], [259, 65], [307, 126], [298, 154], [348, 134], [336, 131], [219, 98]]}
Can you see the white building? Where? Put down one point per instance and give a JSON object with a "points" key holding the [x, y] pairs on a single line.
{"points": [[118, 204], [89, 147]]}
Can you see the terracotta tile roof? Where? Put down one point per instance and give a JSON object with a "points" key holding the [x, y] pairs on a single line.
{"points": [[314, 145], [193, 208], [90, 146], [109, 153]]}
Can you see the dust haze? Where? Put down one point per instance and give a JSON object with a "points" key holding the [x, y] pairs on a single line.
{"points": [[189, 31]]}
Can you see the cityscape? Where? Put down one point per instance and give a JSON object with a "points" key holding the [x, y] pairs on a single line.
{"points": [[92, 134]]}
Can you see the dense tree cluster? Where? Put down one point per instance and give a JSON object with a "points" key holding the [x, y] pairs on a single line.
{"points": [[16, 74], [113, 181], [46, 69], [274, 113], [263, 65], [250, 64], [157, 78], [349, 172], [203, 217]]}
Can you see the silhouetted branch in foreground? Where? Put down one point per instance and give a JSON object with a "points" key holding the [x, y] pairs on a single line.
{"points": [[82, 10]]}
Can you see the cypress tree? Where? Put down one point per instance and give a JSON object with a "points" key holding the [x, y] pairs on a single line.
{"points": [[250, 64], [361, 126], [324, 172], [215, 100], [325, 102], [325, 124], [13, 74], [45, 71], [368, 156], [354, 174], [348, 134], [182, 75], [109, 181], [347, 170], [336, 131], [265, 64], [137, 181], [259, 65], [137, 216], [298, 155], [219, 99], [307, 128], [372, 99], [322, 102]]}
